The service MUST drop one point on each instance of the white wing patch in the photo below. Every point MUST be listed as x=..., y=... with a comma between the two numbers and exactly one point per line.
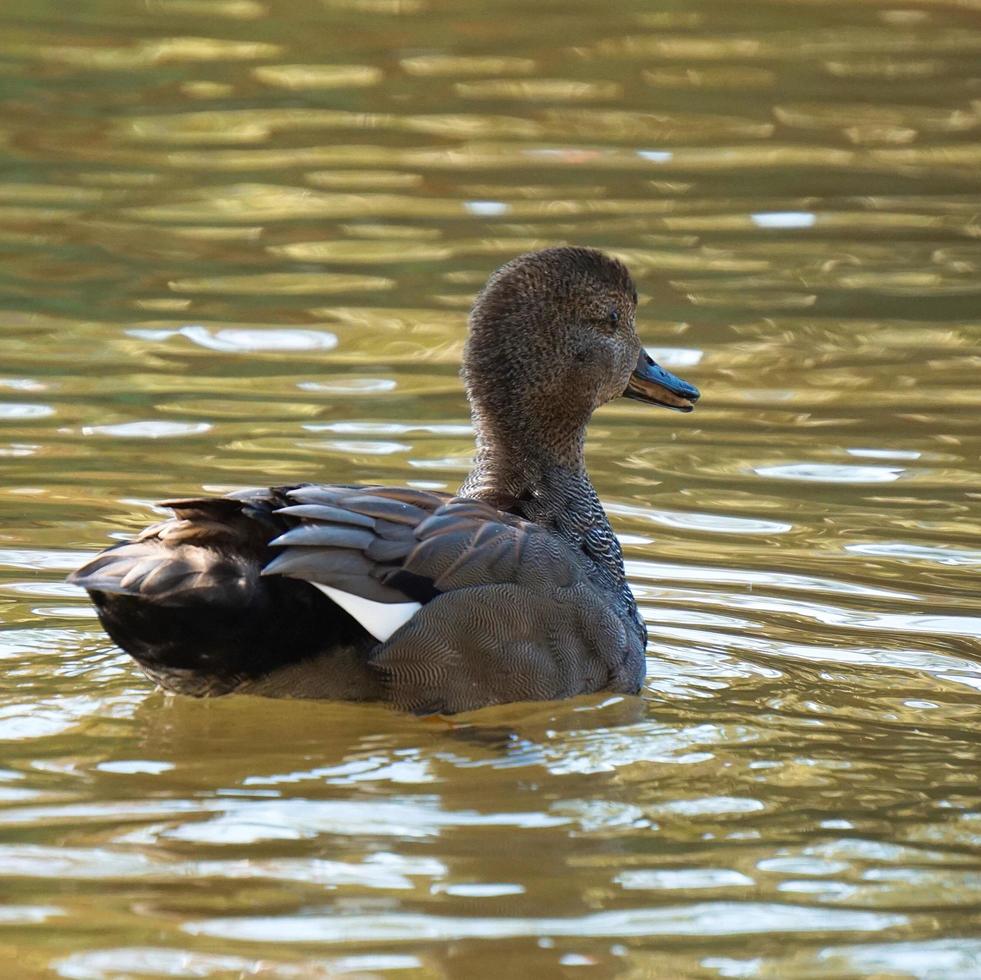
x=380, y=619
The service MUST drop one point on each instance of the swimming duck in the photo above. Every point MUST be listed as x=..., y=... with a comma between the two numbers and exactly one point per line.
x=513, y=590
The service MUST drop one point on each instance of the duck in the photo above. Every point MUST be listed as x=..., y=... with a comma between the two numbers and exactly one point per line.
x=511, y=590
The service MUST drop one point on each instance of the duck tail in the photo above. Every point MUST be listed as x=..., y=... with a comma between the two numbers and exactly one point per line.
x=187, y=601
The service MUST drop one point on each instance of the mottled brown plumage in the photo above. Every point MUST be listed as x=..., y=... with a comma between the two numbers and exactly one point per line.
x=517, y=585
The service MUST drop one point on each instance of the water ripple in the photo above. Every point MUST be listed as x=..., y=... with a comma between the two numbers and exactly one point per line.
x=240, y=241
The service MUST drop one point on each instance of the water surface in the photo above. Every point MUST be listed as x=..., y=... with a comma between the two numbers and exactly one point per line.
x=240, y=238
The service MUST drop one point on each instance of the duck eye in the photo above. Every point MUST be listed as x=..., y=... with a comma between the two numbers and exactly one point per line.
x=614, y=317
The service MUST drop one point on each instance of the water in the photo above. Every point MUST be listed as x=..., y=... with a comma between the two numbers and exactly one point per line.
x=239, y=241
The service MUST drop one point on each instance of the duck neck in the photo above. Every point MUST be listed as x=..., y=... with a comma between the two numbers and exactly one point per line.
x=514, y=467
x=527, y=477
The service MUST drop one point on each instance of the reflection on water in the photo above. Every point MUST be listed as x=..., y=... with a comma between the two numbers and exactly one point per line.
x=240, y=238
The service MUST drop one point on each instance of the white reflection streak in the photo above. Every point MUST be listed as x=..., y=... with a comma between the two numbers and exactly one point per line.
x=863, y=619
x=831, y=473
x=784, y=219
x=689, y=520
x=486, y=209
x=704, y=919
x=659, y=571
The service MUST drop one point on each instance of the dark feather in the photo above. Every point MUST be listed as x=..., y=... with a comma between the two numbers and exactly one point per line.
x=319, y=564
x=385, y=551
x=314, y=494
x=327, y=514
x=325, y=536
x=390, y=510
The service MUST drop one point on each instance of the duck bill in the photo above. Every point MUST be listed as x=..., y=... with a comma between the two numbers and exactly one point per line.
x=652, y=384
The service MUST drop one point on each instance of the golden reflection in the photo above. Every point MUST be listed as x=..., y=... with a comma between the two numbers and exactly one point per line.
x=951, y=154
x=654, y=127
x=670, y=186
x=301, y=77
x=120, y=178
x=534, y=192
x=708, y=159
x=451, y=65
x=369, y=252
x=261, y=202
x=216, y=234
x=539, y=89
x=867, y=134
x=377, y=6
x=790, y=45
x=472, y=155
x=826, y=220
x=162, y=303
x=282, y=284
x=666, y=20
x=467, y=126
x=22, y=193
x=164, y=51
x=233, y=9
x=372, y=252
x=256, y=126
x=397, y=321
x=131, y=235
x=366, y=229
x=649, y=260
x=906, y=280
x=454, y=301
x=731, y=76
x=886, y=68
x=199, y=127
x=257, y=202
x=904, y=117
x=700, y=295
x=207, y=90
x=742, y=157
x=373, y=179
x=359, y=155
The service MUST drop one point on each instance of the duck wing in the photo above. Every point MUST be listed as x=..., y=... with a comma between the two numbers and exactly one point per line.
x=187, y=597
x=404, y=548
x=354, y=539
x=499, y=609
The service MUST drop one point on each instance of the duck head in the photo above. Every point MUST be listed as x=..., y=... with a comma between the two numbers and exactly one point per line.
x=552, y=337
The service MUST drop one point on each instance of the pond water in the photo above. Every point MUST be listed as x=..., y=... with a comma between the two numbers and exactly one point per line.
x=240, y=238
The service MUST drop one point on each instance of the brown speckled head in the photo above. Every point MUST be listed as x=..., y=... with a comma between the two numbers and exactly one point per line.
x=551, y=339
